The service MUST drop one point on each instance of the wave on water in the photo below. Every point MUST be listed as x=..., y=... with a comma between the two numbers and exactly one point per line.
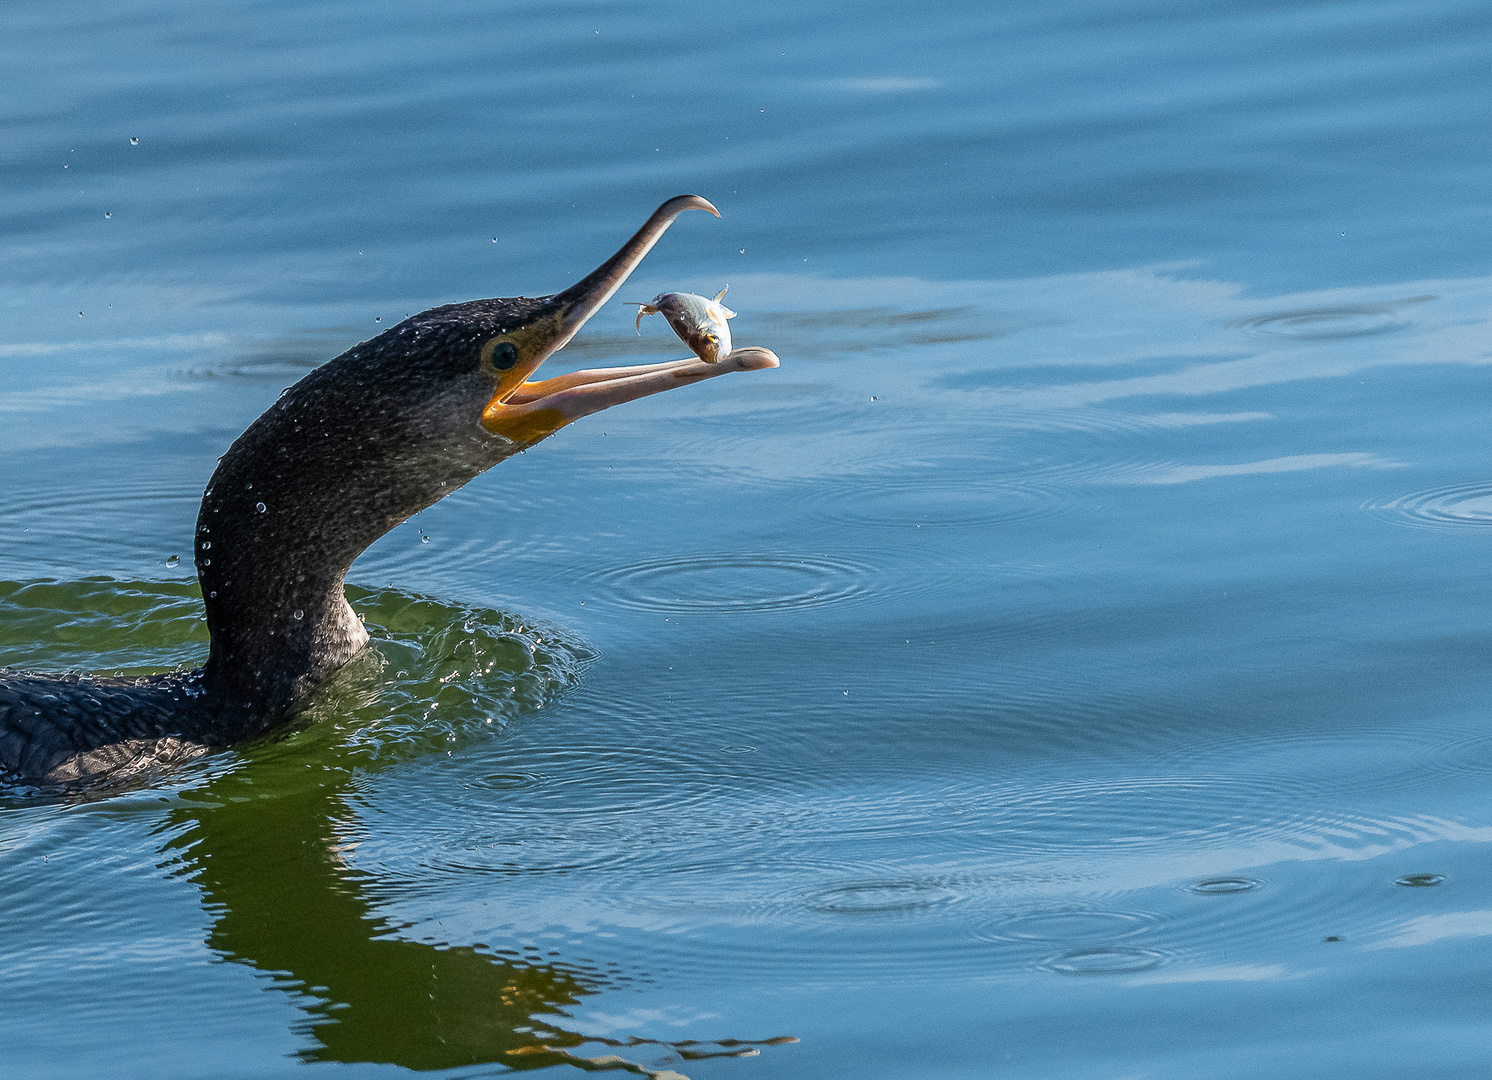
x=436, y=672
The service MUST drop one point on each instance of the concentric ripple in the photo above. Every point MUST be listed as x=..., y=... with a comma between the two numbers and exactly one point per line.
x=882, y=897
x=1223, y=886
x=1335, y=321
x=935, y=501
x=1104, y=961
x=731, y=583
x=1071, y=926
x=1440, y=508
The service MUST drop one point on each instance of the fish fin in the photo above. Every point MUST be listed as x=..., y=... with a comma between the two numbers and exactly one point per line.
x=721, y=293
x=642, y=309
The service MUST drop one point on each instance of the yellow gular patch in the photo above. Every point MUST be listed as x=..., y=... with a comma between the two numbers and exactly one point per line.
x=523, y=426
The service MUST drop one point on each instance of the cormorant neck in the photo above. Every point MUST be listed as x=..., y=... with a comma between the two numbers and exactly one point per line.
x=320, y=476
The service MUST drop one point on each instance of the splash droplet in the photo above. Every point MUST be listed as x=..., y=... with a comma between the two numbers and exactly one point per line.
x=1420, y=881
x=378, y=318
x=108, y=214
x=299, y=614
x=134, y=141
x=206, y=545
x=260, y=508
x=173, y=560
x=424, y=539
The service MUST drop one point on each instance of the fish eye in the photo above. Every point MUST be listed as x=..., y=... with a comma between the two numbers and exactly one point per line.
x=503, y=354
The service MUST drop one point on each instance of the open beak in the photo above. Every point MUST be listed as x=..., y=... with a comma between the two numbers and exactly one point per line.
x=583, y=299
x=561, y=316
x=525, y=412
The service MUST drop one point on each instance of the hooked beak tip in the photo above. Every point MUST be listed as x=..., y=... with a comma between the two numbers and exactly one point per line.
x=679, y=203
x=581, y=300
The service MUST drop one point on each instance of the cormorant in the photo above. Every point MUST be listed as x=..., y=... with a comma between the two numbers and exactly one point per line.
x=351, y=450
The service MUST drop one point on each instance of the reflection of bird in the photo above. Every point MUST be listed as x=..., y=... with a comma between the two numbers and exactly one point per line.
x=347, y=453
x=272, y=845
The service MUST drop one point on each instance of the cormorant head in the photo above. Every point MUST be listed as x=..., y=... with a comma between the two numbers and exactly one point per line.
x=514, y=353
x=458, y=375
x=377, y=434
x=409, y=416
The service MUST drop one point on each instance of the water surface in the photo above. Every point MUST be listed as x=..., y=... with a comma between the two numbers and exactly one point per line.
x=1070, y=663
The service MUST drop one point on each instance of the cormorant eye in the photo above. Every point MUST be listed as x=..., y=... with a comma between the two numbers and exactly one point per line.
x=504, y=355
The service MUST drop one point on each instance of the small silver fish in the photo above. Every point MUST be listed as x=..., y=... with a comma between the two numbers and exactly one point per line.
x=698, y=320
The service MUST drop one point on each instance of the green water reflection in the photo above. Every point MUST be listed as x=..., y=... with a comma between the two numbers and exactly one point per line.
x=267, y=845
x=269, y=840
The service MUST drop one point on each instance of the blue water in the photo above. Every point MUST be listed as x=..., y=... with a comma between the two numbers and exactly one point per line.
x=1071, y=663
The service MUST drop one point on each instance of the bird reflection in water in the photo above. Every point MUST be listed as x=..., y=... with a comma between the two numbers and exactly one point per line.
x=267, y=842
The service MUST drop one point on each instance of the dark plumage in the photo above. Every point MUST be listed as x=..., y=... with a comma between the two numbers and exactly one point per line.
x=346, y=454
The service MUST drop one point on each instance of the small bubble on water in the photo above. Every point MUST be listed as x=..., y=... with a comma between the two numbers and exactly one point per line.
x=206, y=544
x=299, y=614
x=424, y=539
x=212, y=594
x=206, y=562
x=260, y=508
x=134, y=141
x=1419, y=881
x=173, y=560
